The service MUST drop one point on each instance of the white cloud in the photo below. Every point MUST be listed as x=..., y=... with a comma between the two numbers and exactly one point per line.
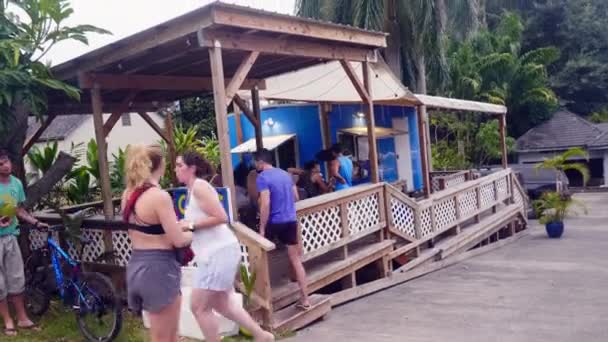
x=126, y=17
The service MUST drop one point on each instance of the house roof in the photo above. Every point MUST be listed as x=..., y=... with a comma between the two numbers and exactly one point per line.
x=59, y=128
x=564, y=130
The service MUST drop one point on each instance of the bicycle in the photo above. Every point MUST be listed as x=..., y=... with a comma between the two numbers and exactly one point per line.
x=91, y=295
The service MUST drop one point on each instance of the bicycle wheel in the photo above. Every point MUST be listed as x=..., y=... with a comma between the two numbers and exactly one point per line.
x=99, y=312
x=37, y=299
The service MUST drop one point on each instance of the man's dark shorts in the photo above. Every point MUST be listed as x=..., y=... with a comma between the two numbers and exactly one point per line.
x=286, y=233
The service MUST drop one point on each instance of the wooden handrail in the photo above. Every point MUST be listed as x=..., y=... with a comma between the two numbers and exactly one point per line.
x=469, y=185
x=248, y=234
x=336, y=197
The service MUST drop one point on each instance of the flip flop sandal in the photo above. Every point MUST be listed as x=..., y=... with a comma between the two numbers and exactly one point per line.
x=303, y=307
x=10, y=331
x=33, y=327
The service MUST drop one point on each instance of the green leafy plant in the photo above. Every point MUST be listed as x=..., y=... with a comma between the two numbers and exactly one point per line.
x=560, y=163
x=78, y=188
x=554, y=207
x=211, y=149
x=117, y=171
x=41, y=159
x=248, y=281
x=93, y=160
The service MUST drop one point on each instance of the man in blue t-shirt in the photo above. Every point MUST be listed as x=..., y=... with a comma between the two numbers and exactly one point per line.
x=12, y=279
x=341, y=168
x=277, y=197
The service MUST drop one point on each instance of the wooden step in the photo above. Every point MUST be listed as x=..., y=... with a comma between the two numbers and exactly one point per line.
x=292, y=318
x=470, y=235
x=324, y=273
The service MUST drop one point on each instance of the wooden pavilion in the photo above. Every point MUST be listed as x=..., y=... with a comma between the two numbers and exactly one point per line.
x=222, y=49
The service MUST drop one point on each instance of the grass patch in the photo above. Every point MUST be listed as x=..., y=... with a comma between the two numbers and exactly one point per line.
x=59, y=325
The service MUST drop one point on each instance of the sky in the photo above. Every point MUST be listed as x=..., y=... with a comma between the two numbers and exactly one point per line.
x=126, y=17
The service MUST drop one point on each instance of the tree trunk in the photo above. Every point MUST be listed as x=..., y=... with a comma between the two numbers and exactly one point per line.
x=392, y=53
x=62, y=166
x=481, y=7
x=14, y=137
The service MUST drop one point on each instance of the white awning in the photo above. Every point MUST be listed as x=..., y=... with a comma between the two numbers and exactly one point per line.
x=438, y=102
x=270, y=143
x=328, y=82
x=381, y=132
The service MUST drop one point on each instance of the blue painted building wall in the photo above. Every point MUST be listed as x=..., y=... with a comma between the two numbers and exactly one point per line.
x=303, y=120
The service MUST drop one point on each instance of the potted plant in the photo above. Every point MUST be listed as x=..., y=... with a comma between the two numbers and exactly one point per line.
x=552, y=208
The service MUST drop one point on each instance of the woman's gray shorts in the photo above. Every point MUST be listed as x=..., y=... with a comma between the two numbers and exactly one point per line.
x=153, y=279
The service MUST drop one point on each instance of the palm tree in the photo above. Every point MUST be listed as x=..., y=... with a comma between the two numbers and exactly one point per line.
x=417, y=31
x=560, y=163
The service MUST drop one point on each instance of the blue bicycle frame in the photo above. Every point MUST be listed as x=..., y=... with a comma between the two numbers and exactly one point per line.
x=57, y=253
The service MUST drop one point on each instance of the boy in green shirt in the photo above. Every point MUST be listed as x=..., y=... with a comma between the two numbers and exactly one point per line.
x=12, y=279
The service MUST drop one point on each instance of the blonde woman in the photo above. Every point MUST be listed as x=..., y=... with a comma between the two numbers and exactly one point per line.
x=153, y=272
x=217, y=250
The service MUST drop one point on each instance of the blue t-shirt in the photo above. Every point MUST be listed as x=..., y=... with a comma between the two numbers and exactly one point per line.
x=11, y=193
x=282, y=201
x=346, y=171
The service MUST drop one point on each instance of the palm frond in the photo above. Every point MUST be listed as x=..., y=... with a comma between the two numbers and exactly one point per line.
x=369, y=14
x=580, y=168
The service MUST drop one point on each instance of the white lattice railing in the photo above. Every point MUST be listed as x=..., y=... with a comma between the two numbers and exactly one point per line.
x=449, y=208
x=333, y=220
x=443, y=180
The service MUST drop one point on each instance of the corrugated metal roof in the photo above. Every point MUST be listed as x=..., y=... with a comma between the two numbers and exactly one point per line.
x=269, y=143
x=462, y=105
x=381, y=132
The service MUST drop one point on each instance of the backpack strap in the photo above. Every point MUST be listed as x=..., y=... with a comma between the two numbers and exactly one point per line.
x=130, y=205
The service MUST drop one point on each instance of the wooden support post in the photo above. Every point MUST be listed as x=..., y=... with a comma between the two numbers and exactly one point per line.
x=427, y=134
x=104, y=169
x=171, y=145
x=478, y=203
x=426, y=177
x=502, y=124
x=237, y=123
x=350, y=280
x=324, y=111
x=45, y=124
x=221, y=117
x=257, y=112
x=371, y=124
x=111, y=122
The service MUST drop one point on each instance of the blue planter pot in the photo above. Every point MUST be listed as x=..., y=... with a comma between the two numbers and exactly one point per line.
x=555, y=229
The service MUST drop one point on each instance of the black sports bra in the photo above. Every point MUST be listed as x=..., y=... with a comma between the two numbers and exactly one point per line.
x=150, y=229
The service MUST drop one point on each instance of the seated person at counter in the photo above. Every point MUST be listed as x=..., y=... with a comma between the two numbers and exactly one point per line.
x=310, y=179
x=341, y=168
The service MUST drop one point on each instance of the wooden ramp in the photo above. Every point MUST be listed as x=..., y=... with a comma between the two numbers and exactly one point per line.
x=365, y=239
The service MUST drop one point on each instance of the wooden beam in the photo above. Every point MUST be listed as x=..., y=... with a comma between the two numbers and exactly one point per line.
x=221, y=118
x=107, y=127
x=34, y=138
x=297, y=26
x=287, y=47
x=257, y=112
x=426, y=178
x=111, y=122
x=171, y=144
x=155, y=127
x=352, y=75
x=245, y=108
x=240, y=75
x=102, y=154
x=147, y=82
x=371, y=124
x=237, y=122
x=83, y=108
x=502, y=126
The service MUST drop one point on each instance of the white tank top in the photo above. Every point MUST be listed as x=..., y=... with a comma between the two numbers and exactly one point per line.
x=206, y=241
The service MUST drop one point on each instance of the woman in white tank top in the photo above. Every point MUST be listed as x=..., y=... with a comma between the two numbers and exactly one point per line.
x=217, y=252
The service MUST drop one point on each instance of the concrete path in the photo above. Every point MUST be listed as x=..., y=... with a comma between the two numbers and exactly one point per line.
x=533, y=290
